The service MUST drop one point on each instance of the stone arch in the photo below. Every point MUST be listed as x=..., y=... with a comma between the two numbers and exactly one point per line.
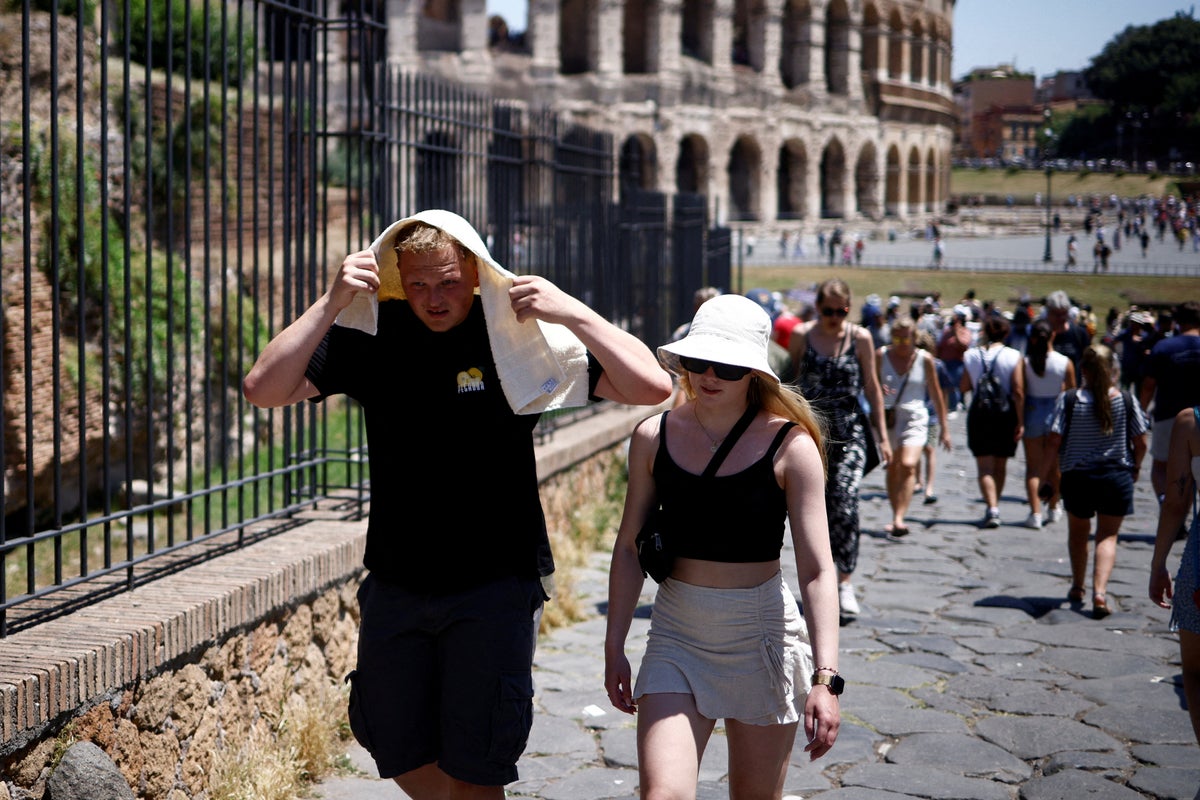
x=916, y=52
x=931, y=175
x=866, y=182
x=691, y=167
x=872, y=41
x=895, y=65
x=837, y=48
x=745, y=167
x=635, y=35
x=891, y=192
x=833, y=179
x=697, y=29
x=439, y=26
x=576, y=34
x=638, y=163
x=749, y=33
x=796, y=45
x=914, y=180
x=792, y=181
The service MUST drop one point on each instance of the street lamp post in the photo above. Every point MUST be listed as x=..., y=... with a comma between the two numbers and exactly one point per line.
x=1046, y=257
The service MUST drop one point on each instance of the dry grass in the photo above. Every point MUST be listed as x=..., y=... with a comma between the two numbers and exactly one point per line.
x=282, y=756
x=581, y=522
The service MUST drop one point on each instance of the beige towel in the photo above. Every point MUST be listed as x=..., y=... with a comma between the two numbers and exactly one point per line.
x=542, y=365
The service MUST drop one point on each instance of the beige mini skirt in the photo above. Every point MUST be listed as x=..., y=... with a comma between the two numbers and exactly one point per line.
x=744, y=654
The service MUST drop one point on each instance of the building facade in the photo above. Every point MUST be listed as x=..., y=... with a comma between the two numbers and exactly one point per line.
x=783, y=113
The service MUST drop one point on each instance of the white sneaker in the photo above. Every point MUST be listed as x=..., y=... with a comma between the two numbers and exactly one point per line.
x=847, y=600
x=1033, y=521
x=1054, y=514
x=991, y=519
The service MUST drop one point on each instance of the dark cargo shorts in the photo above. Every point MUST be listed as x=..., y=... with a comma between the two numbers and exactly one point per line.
x=446, y=679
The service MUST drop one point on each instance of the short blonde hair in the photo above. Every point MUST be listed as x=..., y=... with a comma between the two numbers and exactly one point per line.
x=422, y=238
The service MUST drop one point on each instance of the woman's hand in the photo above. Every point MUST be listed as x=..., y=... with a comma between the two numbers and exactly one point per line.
x=618, y=681
x=822, y=718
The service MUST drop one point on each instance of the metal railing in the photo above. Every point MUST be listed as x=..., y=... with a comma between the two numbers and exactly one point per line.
x=181, y=186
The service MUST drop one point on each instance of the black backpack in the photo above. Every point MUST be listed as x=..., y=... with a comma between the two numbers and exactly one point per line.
x=988, y=397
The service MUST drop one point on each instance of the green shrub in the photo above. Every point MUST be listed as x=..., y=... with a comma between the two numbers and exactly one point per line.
x=224, y=48
x=67, y=8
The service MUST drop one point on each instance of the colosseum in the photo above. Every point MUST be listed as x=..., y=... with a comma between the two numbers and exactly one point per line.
x=783, y=113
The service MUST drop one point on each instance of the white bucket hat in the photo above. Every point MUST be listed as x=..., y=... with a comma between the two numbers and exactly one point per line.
x=729, y=329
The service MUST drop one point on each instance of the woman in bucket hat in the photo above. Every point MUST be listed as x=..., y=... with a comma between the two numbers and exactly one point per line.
x=727, y=639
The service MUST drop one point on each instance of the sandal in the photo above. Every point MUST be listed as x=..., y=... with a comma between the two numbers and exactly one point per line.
x=1100, y=608
x=1075, y=595
x=930, y=499
x=898, y=531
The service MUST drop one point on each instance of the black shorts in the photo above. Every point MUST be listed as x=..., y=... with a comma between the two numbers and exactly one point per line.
x=1104, y=490
x=446, y=679
x=989, y=435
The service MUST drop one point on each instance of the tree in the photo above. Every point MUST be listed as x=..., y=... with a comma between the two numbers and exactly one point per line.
x=1153, y=72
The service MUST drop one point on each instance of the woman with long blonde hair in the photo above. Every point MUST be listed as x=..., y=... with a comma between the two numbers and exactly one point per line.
x=1098, y=437
x=723, y=608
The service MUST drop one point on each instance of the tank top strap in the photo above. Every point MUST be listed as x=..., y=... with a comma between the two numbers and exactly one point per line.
x=777, y=442
x=662, y=430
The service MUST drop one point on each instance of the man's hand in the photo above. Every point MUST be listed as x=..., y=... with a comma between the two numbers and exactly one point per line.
x=359, y=273
x=534, y=297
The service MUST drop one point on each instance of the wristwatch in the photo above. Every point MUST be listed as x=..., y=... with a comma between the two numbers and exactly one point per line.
x=833, y=681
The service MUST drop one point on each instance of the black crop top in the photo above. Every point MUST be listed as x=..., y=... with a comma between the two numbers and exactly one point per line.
x=736, y=518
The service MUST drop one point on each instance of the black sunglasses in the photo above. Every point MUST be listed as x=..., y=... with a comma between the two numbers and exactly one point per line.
x=726, y=372
x=834, y=312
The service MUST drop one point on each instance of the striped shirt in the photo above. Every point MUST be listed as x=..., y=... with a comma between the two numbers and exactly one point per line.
x=1087, y=446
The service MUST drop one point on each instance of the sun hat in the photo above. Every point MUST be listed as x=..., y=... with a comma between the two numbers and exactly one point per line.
x=1141, y=318
x=730, y=329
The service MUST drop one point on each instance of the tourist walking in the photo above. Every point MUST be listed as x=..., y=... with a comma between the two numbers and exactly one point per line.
x=907, y=376
x=835, y=363
x=996, y=414
x=442, y=691
x=1047, y=375
x=725, y=471
x=1183, y=598
x=1098, y=437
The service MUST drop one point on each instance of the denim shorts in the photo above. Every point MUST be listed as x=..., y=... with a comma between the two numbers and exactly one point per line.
x=446, y=679
x=1039, y=411
x=1104, y=490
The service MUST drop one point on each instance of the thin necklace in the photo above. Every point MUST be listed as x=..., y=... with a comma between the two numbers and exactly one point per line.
x=715, y=442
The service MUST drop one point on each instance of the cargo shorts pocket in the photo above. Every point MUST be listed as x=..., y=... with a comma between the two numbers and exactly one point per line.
x=512, y=718
x=358, y=720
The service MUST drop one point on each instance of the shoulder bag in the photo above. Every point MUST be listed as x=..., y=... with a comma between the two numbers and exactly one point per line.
x=656, y=554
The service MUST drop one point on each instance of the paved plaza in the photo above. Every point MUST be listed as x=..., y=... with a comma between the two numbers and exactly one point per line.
x=969, y=675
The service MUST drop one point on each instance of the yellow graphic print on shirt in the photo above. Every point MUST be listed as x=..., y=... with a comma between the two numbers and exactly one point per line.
x=470, y=381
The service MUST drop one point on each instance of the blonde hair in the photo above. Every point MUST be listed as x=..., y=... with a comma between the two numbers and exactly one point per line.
x=1096, y=365
x=422, y=238
x=780, y=399
x=905, y=323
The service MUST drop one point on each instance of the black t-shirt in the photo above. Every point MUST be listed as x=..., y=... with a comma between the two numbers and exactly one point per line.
x=1072, y=342
x=454, y=488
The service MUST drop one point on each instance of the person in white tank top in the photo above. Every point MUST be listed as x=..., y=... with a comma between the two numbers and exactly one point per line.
x=1047, y=375
x=906, y=374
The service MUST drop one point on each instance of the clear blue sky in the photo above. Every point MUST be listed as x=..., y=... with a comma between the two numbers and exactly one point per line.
x=1039, y=36
x=1044, y=36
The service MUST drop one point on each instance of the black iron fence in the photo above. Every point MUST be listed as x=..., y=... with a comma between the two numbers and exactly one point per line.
x=183, y=179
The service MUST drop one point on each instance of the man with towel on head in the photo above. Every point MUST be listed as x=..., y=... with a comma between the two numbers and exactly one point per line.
x=452, y=377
